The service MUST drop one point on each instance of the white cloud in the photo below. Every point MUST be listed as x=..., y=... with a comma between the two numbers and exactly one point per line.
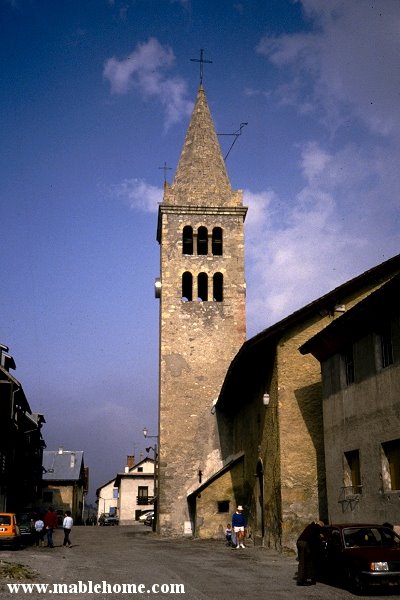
x=139, y=194
x=144, y=70
x=331, y=233
x=350, y=58
x=346, y=216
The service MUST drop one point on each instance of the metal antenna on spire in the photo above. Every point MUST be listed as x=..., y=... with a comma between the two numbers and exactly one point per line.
x=165, y=169
x=236, y=135
x=201, y=60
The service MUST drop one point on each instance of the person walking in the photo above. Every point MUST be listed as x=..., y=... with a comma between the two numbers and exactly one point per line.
x=308, y=548
x=67, y=526
x=239, y=525
x=50, y=523
x=39, y=531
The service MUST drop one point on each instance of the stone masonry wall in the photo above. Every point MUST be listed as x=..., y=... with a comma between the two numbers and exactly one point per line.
x=198, y=340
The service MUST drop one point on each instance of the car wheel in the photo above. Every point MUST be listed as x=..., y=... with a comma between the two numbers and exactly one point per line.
x=356, y=583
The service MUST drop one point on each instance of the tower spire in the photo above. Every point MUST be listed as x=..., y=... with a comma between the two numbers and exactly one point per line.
x=201, y=173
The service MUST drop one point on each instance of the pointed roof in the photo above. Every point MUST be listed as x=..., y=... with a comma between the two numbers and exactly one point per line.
x=201, y=178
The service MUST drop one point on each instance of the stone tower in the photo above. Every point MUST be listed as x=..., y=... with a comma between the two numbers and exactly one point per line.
x=202, y=313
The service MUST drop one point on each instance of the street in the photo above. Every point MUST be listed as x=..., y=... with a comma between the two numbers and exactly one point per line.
x=207, y=569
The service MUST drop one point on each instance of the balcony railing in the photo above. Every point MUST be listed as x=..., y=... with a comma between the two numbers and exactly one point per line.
x=349, y=491
x=349, y=496
x=143, y=500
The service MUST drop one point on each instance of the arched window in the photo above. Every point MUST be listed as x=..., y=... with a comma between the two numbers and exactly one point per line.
x=202, y=240
x=218, y=287
x=216, y=244
x=187, y=287
x=187, y=240
x=202, y=286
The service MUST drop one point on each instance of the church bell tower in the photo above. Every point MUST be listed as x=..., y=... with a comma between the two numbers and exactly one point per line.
x=202, y=313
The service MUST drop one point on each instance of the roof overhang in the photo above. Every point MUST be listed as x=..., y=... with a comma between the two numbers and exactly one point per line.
x=230, y=462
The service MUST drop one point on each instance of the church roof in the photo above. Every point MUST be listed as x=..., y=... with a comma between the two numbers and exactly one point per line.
x=201, y=178
x=244, y=368
x=366, y=315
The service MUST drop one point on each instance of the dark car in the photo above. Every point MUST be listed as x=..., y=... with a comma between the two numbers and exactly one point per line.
x=108, y=519
x=26, y=526
x=361, y=556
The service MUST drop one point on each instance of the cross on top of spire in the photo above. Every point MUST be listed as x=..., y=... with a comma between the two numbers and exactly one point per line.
x=165, y=169
x=201, y=60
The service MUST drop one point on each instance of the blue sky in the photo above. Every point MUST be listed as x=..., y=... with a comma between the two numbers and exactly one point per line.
x=95, y=97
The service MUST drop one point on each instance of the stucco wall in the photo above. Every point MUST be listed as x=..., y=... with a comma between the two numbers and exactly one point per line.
x=361, y=417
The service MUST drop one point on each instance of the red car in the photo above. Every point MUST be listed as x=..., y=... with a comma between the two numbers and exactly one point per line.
x=361, y=556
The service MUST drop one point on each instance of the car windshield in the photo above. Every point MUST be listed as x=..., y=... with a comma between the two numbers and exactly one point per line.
x=5, y=520
x=356, y=537
x=23, y=518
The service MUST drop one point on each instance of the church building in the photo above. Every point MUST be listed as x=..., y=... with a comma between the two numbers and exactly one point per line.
x=240, y=421
x=202, y=314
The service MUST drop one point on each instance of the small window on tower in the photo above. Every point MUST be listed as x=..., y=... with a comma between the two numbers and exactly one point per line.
x=223, y=506
x=202, y=241
x=202, y=287
x=217, y=241
x=187, y=287
x=187, y=240
x=218, y=286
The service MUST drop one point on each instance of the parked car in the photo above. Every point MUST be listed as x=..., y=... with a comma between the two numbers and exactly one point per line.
x=150, y=518
x=25, y=521
x=108, y=519
x=144, y=515
x=9, y=530
x=361, y=556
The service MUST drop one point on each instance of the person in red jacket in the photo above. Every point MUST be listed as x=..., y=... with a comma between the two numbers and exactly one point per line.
x=50, y=523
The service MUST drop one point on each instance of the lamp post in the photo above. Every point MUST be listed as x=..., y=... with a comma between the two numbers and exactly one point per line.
x=155, y=493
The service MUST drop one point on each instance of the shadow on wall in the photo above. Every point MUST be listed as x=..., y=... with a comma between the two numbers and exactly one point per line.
x=309, y=399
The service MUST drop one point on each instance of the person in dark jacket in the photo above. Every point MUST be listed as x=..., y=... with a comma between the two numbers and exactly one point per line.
x=239, y=526
x=308, y=548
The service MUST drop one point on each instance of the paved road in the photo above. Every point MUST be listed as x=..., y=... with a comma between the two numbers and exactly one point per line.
x=207, y=569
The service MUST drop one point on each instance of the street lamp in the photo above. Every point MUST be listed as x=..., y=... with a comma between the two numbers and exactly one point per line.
x=155, y=450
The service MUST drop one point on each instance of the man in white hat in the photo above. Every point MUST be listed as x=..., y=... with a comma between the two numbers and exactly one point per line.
x=239, y=525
